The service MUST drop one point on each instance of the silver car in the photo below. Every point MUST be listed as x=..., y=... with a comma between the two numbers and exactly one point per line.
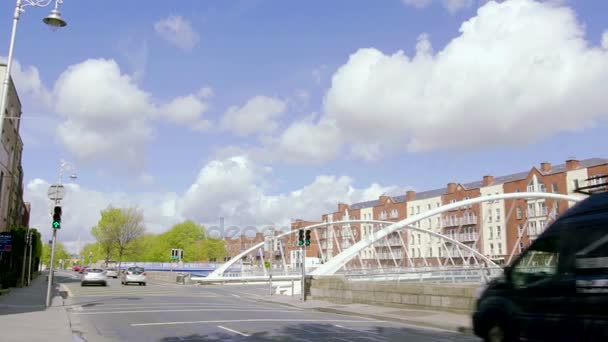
x=93, y=276
x=112, y=272
x=133, y=275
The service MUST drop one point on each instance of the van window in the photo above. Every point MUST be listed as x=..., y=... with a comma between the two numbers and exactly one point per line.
x=538, y=263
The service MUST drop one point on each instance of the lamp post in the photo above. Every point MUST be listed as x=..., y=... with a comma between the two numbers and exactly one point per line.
x=57, y=198
x=54, y=20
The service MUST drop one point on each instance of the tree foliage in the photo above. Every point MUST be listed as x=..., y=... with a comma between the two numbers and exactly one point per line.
x=60, y=253
x=117, y=231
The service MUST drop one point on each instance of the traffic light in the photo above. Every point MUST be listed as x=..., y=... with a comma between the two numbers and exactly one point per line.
x=307, y=237
x=57, y=217
x=301, y=237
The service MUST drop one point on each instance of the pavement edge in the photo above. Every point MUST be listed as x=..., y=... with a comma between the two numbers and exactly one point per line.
x=451, y=328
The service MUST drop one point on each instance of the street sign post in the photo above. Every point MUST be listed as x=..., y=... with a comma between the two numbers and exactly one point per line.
x=6, y=242
x=56, y=192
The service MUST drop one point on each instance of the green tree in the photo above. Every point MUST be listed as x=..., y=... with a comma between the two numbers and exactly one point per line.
x=117, y=230
x=214, y=249
x=60, y=253
x=184, y=235
x=104, y=231
x=130, y=227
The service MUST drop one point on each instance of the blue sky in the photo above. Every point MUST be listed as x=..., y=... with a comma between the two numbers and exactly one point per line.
x=287, y=53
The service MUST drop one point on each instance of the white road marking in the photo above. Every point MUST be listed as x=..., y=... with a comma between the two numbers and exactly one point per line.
x=232, y=330
x=168, y=304
x=177, y=310
x=257, y=320
x=235, y=295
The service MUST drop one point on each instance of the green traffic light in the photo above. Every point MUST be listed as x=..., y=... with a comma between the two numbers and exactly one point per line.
x=56, y=224
x=307, y=242
x=300, y=243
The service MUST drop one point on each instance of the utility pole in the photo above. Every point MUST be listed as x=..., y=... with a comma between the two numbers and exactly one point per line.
x=303, y=261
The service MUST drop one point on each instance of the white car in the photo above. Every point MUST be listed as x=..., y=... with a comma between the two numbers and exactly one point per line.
x=112, y=272
x=134, y=275
x=93, y=276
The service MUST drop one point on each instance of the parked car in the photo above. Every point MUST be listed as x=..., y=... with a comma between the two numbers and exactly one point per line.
x=134, y=274
x=76, y=268
x=83, y=269
x=94, y=276
x=112, y=272
x=557, y=289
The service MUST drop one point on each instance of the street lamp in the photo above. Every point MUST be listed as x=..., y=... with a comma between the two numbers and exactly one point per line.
x=54, y=20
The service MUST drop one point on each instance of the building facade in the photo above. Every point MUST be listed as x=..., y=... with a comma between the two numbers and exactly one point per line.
x=12, y=207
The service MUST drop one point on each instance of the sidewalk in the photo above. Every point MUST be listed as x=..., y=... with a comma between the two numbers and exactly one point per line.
x=23, y=316
x=436, y=319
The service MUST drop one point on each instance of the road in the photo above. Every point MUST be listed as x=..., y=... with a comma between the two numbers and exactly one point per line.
x=170, y=312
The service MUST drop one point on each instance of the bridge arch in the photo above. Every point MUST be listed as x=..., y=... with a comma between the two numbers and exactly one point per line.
x=220, y=270
x=338, y=261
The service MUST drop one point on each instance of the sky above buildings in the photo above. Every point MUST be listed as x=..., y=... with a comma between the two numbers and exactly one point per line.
x=262, y=111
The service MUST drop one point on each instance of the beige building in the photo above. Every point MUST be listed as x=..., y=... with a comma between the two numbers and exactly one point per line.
x=12, y=207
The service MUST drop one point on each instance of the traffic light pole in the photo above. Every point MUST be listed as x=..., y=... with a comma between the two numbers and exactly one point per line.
x=303, y=260
x=50, y=283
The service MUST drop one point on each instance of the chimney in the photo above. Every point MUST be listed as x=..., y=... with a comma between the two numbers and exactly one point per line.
x=410, y=195
x=488, y=180
x=451, y=187
x=572, y=164
x=545, y=167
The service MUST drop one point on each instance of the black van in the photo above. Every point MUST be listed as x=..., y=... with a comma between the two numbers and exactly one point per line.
x=557, y=289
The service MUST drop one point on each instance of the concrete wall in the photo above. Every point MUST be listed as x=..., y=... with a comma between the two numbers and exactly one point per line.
x=159, y=276
x=443, y=297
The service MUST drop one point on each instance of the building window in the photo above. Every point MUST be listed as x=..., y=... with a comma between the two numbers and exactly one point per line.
x=521, y=247
x=520, y=229
x=498, y=232
x=429, y=206
x=491, y=249
x=520, y=213
x=542, y=188
x=411, y=210
x=531, y=187
x=531, y=211
x=394, y=213
x=489, y=215
x=497, y=214
x=453, y=201
x=576, y=183
x=417, y=209
x=491, y=233
x=499, y=248
x=554, y=188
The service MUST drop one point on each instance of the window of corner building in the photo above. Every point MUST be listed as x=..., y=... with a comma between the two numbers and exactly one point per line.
x=554, y=187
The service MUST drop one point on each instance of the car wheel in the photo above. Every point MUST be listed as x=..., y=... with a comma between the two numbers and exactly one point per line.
x=498, y=332
x=144, y=284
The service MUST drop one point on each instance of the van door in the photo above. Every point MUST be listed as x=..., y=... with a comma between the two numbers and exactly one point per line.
x=541, y=291
x=591, y=271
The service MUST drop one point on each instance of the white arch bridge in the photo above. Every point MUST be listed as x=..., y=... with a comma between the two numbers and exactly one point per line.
x=397, y=249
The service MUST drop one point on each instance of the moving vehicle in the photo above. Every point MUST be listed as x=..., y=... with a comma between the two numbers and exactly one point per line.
x=112, y=272
x=133, y=274
x=557, y=289
x=94, y=276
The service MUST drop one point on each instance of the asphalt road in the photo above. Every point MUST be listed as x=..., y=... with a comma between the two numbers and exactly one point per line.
x=168, y=312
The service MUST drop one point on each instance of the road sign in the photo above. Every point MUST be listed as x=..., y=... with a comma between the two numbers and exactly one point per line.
x=56, y=192
x=6, y=242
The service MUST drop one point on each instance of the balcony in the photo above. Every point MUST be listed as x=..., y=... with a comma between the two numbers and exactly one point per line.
x=542, y=212
x=459, y=221
x=464, y=237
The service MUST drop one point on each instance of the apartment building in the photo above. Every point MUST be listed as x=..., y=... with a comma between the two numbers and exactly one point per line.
x=498, y=229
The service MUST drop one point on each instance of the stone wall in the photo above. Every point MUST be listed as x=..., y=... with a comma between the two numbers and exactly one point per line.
x=445, y=297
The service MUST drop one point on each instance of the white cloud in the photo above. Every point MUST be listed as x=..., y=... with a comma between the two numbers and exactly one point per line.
x=514, y=65
x=258, y=115
x=187, y=110
x=112, y=121
x=234, y=188
x=307, y=142
x=177, y=31
x=32, y=92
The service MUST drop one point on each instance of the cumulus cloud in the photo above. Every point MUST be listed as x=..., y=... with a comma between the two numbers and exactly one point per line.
x=259, y=115
x=308, y=142
x=514, y=65
x=29, y=86
x=235, y=188
x=177, y=31
x=112, y=120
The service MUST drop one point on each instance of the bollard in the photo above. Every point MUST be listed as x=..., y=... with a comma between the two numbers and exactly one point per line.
x=292, y=288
